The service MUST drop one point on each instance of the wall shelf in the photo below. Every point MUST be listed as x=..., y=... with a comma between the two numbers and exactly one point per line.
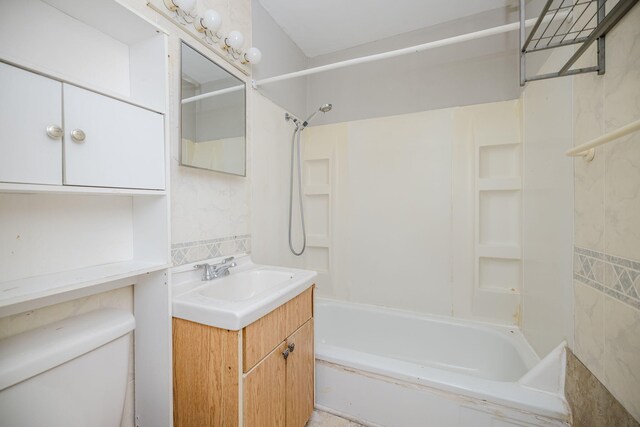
x=9, y=187
x=499, y=251
x=488, y=184
x=584, y=23
x=39, y=291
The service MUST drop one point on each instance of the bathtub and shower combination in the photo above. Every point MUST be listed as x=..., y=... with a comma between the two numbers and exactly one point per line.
x=385, y=367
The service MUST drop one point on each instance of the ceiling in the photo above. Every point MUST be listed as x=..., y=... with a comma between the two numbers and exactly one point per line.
x=324, y=26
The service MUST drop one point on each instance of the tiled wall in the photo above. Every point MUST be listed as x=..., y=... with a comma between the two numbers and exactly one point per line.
x=616, y=277
x=185, y=253
x=607, y=220
x=591, y=403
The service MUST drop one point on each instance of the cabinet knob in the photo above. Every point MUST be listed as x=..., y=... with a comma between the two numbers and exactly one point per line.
x=285, y=354
x=292, y=347
x=78, y=135
x=55, y=131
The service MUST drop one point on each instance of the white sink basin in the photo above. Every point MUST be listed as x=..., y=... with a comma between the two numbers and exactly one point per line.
x=239, y=299
x=245, y=285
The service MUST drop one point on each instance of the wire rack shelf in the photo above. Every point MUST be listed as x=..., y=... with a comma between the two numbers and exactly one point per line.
x=573, y=22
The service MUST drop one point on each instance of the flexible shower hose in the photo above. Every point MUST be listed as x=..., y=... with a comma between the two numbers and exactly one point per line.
x=295, y=141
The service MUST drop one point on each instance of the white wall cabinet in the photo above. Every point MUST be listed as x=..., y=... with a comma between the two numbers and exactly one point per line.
x=80, y=218
x=122, y=145
x=29, y=103
x=107, y=142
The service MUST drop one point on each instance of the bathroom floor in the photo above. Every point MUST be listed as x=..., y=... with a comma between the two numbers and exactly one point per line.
x=325, y=419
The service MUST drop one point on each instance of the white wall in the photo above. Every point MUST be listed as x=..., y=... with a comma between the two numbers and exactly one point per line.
x=280, y=55
x=270, y=184
x=474, y=72
x=547, y=209
x=393, y=200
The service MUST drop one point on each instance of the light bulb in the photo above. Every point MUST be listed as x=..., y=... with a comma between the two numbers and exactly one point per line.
x=185, y=5
x=212, y=20
x=253, y=55
x=235, y=40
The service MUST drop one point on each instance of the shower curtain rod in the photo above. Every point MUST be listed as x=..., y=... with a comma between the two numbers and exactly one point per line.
x=214, y=93
x=407, y=50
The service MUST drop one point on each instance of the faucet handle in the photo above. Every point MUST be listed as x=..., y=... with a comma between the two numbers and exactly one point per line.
x=226, y=260
x=208, y=270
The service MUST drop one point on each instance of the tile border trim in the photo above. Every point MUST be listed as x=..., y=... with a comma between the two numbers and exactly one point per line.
x=614, y=276
x=197, y=250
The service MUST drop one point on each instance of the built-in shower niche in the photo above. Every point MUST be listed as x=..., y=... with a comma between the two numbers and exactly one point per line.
x=317, y=199
x=498, y=211
x=499, y=161
x=499, y=219
x=318, y=219
x=500, y=274
x=317, y=178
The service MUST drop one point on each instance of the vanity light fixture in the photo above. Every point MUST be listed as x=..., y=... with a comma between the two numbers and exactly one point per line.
x=209, y=25
x=252, y=56
x=183, y=9
x=233, y=43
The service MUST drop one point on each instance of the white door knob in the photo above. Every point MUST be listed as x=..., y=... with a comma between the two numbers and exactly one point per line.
x=55, y=131
x=78, y=135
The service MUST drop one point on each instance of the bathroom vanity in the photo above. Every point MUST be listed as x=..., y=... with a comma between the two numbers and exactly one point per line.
x=251, y=372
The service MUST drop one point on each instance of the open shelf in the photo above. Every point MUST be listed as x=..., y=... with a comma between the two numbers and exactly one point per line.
x=10, y=187
x=72, y=284
x=100, y=45
x=488, y=184
x=499, y=251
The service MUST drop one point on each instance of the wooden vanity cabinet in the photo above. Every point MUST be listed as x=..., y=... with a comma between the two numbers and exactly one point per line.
x=261, y=376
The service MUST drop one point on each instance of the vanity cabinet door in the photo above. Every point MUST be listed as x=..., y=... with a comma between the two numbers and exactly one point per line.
x=29, y=104
x=300, y=373
x=264, y=391
x=109, y=143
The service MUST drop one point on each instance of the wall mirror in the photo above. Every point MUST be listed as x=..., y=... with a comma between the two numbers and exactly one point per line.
x=213, y=116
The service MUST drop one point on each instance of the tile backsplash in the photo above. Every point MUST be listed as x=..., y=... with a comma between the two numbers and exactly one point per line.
x=187, y=252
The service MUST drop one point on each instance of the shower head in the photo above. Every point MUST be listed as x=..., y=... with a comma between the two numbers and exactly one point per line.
x=325, y=108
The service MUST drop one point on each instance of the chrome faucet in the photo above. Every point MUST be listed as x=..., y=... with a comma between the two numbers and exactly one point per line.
x=216, y=270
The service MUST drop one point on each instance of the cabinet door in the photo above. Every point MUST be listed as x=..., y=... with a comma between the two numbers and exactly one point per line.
x=300, y=376
x=29, y=103
x=123, y=144
x=264, y=391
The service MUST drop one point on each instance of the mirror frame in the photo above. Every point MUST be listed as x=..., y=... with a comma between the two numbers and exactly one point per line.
x=246, y=121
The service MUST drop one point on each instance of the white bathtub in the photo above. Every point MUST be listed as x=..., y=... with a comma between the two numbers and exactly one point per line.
x=387, y=367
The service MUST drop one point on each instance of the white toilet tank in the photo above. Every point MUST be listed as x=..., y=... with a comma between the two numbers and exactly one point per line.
x=69, y=373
